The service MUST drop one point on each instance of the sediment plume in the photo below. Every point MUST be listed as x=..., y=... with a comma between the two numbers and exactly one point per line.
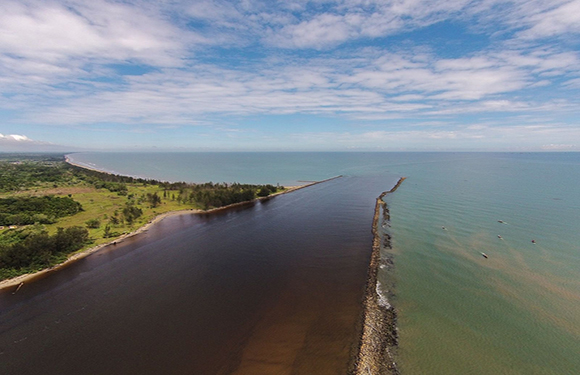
x=378, y=337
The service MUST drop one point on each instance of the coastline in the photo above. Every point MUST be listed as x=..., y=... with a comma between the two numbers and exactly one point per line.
x=378, y=335
x=19, y=281
x=68, y=161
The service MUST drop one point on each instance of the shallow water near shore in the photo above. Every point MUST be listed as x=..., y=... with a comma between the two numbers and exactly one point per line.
x=276, y=288
x=515, y=312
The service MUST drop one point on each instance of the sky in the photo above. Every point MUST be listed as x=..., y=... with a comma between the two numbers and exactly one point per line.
x=292, y=75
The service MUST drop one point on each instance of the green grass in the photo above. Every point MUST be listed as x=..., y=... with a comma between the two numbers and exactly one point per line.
x=101, y=204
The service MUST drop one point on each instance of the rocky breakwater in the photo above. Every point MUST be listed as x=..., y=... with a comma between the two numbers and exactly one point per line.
x=378, y=328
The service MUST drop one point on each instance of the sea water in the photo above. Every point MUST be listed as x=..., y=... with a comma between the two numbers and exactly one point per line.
x=515, y=312
x=243, y=167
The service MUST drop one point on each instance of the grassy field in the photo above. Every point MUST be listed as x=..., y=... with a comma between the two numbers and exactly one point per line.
x=100, y=204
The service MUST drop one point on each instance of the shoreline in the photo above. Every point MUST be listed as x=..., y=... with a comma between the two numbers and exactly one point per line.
x=306, y=183
x=19, y=281
x=378, y=332
x=68, y=161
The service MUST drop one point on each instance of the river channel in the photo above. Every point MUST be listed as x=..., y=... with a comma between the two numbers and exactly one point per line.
x=274, y=288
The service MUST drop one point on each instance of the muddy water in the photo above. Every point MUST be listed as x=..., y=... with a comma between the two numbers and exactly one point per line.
x=275, y=288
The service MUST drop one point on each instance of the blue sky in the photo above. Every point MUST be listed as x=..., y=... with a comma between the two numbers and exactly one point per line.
x=327, y=75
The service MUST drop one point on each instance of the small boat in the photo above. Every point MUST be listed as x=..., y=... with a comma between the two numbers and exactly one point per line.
x=484, y=255
x=500, y=221
x=534, y=241
x=500, y=237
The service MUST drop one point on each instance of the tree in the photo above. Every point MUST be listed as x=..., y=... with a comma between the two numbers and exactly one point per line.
x=40, y=249
x=131, y=213
x=93, y=223
x=107, y=231
x=114, y=219
x=153, y=199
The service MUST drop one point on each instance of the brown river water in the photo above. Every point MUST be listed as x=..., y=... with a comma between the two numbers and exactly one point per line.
x=274, y=288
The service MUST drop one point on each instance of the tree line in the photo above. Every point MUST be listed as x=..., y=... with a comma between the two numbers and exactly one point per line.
x=36, y=249
x=210, y=194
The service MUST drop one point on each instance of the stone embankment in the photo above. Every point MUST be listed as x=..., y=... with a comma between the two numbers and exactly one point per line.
x=378, y=329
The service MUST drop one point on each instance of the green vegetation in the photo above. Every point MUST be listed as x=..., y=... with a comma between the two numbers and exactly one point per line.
x=31, y=170
x=32, y=250
x=217, y=195
x=29, y=210
x=266, y=190
x=93, y=223
x=50, y=209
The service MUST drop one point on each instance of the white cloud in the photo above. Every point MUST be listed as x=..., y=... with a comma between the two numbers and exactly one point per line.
x=14, y=138
x=471, y=78
x=18, y=143
x=553, y=19
x=22, y=143
x=573, y=83
x=347, y=20
x=55, y=32
x=216, y=59
x=326, y=24
x=324, y=30
x=380, y=86
x=485, y=136
x=49, y=42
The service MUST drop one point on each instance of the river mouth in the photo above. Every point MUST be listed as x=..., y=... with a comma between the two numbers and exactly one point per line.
x=271, y=288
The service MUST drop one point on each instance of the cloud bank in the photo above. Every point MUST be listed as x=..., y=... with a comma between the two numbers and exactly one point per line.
x=147, y=65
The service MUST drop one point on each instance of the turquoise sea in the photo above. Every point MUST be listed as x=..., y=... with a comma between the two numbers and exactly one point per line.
x=515, y=312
